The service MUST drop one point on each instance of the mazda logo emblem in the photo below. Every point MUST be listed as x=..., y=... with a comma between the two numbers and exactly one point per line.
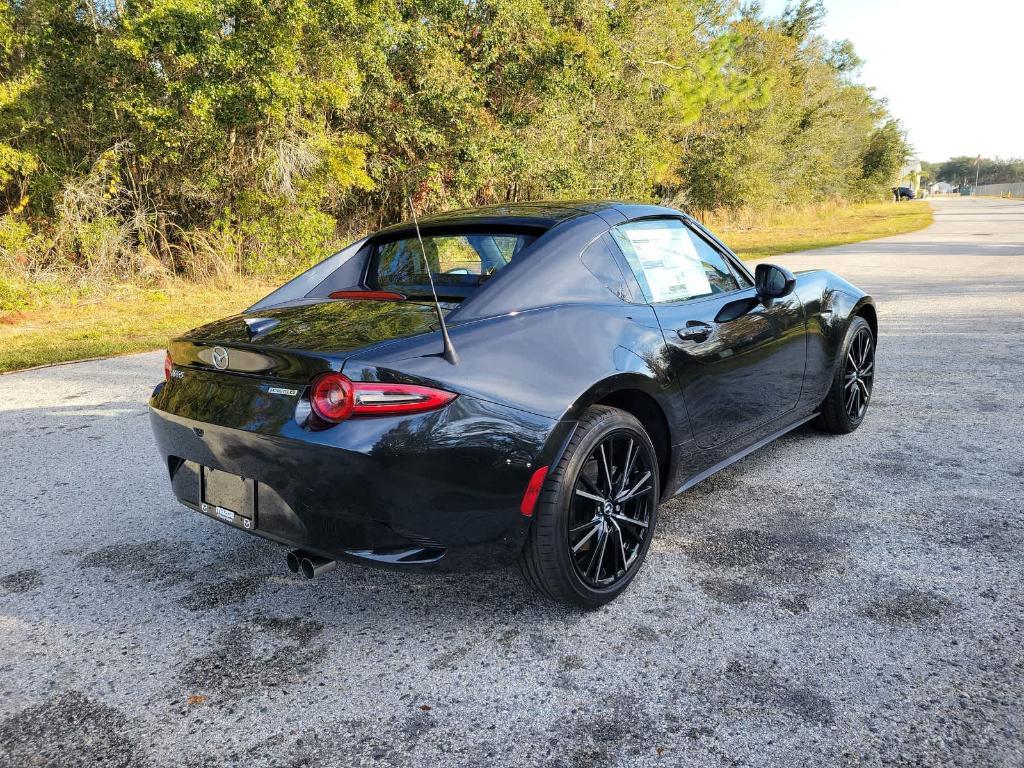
x=220, y=358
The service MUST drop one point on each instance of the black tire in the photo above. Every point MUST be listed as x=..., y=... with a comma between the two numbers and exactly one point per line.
x=843, y=410
x=547, y=562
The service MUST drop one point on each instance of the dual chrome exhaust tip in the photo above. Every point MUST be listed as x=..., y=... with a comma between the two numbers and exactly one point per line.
x=309, y=564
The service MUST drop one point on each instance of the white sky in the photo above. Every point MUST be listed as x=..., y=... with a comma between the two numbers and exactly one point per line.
x=952, y=71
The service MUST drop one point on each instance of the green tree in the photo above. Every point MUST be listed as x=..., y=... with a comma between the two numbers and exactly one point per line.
x=886, y=154
x=991, y=171
x=141, y=136
x=804, y=132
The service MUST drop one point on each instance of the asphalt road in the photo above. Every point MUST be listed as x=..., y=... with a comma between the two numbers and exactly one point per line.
x=828, y=601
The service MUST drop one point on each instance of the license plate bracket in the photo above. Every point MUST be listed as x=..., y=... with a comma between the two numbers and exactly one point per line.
x=229, y=498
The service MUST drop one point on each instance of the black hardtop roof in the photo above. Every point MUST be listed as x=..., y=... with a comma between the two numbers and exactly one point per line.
x=541, y=214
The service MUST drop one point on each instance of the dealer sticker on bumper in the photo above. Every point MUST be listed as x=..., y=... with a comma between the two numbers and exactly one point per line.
x=227, y=515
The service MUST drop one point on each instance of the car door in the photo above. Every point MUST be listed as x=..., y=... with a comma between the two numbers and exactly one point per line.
x=736, y=361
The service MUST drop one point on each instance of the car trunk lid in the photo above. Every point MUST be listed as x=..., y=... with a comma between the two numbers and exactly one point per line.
x=293, y=343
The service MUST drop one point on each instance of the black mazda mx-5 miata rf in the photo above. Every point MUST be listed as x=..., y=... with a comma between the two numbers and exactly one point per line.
x=584, y=362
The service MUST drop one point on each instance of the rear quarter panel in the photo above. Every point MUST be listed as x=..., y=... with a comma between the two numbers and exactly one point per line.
x=539, y=360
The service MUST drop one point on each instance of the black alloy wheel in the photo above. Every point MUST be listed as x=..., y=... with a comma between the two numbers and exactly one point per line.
x=848, y=398
x=609, y=515
x=597, y=512
x=859, y=374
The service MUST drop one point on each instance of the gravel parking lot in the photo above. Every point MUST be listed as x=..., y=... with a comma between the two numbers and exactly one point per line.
x=828, y=601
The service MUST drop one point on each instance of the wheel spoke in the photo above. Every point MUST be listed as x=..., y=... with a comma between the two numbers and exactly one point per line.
x=593, y=553
x=590, y=484
x=607, y=472
x=632, y=491
x=592, y=497
x=585, y=539
x=630, y=457
x=632, y=495
x=622, y=547
x=602, y=545
x=630, y=520
x=584, y=526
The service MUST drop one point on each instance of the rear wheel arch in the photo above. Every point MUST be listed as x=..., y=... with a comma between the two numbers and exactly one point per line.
x=651, y=415
x=637, y=396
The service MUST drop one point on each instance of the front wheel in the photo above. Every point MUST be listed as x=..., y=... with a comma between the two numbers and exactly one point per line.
x=596, y=514
x=847, y=401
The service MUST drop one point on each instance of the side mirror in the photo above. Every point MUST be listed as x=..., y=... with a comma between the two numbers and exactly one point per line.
x=773, y=282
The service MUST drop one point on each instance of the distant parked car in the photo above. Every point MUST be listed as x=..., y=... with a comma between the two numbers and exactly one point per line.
x=903, y=193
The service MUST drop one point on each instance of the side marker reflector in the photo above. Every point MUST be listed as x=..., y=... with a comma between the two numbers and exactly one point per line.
x=533, y=492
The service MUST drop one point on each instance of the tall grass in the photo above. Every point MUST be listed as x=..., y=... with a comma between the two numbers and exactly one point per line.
x=767, y=217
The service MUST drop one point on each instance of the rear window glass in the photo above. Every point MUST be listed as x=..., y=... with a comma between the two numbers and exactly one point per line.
x=459, y=263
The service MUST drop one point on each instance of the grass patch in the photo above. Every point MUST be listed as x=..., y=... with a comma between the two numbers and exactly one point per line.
x=122, y=319
x=820, y=227
x=48, y=323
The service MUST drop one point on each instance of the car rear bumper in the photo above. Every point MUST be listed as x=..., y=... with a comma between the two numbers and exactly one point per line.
x=441, y=488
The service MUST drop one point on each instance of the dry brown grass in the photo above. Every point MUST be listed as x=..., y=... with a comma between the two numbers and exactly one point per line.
x=756, y=234
x=124, y=318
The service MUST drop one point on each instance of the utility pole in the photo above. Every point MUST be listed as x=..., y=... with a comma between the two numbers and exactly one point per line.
x=977, y=170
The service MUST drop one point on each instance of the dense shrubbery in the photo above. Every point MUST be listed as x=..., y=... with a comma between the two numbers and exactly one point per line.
x=141, y=138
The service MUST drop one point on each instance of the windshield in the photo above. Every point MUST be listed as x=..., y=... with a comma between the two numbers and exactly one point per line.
x=459, y=263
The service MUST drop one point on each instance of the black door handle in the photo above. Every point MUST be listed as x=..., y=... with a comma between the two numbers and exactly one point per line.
x=695, y=331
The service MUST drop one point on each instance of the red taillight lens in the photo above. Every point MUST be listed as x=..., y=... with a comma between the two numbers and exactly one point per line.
x=381, y=399
x=168, y=364
x=331, y=397
x=335, y=397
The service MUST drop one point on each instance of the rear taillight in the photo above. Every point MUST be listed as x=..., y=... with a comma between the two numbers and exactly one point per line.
x=331, y=397
x=379, y=399
x=334, y=397
x=168, y=365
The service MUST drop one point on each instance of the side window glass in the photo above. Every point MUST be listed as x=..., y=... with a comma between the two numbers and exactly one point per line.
x=671, y=262
x=741, y=279
x=599, y=258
